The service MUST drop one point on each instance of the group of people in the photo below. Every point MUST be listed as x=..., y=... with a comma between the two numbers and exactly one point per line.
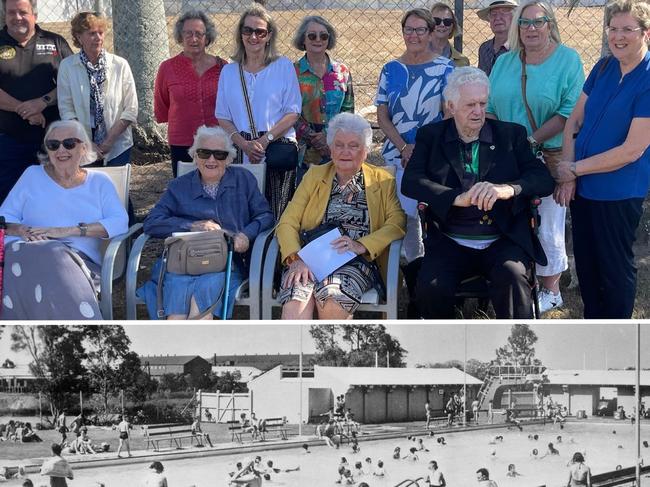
x=472, y=150
x=18, y=431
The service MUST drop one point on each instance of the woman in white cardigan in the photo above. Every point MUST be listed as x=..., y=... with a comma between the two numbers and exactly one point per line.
x=97, y=88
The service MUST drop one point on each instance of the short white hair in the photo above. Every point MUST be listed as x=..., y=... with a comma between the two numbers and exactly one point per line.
x=350, y=122
x=459, y=77
x=204, y=132
x=79, y=132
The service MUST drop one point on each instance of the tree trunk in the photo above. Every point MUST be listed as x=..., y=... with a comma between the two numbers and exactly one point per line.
x=140, y=33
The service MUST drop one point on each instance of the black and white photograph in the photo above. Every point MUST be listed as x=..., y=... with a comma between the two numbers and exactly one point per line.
x=323, y=405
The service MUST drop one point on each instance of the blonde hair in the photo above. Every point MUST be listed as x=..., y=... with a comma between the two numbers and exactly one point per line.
x=455, y=30
x=514, y=39
x=84, y=21
x=270, y=49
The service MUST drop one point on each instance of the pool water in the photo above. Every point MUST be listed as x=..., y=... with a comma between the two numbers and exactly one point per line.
x=459, y=459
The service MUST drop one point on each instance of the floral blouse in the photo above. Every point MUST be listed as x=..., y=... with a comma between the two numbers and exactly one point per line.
x=323, y=98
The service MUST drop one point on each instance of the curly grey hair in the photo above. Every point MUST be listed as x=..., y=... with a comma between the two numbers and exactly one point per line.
x=210, y=28
x=205, y=132
x=350, y=122
x=299, y=37
x=79, y=132
x=463, y=76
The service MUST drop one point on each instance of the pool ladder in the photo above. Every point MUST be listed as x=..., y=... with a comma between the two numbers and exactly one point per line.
x=409, y=482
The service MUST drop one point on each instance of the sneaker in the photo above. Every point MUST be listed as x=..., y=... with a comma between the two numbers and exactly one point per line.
x=549, y=300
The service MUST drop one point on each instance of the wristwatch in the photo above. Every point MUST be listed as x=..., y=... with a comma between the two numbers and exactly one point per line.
x=47, y=99
x=270, y=136
x=573, y=168
x=83, y=229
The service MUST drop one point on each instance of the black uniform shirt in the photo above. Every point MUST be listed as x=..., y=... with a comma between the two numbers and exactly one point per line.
x=28, y=72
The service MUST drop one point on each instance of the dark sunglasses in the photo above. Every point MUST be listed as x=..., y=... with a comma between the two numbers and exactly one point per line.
x=312, y=36
x=219, y=155
x=259, y=33
x=69, y=144
x=445, y=22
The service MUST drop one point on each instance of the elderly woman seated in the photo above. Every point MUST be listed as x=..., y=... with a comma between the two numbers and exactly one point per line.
x=477, y=177
x=214, y=196
x=57, y=214
x=358, y=198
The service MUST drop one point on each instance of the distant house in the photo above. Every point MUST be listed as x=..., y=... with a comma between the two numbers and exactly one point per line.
x=262, y=362
x=15, y=378
x=158, y=365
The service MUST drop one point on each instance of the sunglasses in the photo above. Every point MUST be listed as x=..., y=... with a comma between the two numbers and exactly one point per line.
x=538, y=23
x=249, y=31
x=219, y=155
x=312, y=36
x=69, y=144
x=445, y=22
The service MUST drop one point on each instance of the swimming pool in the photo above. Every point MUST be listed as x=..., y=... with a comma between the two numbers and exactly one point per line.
x=458, y=459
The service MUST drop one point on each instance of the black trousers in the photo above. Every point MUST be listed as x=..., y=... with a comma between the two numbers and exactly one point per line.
x=603, y=235
x=504, y=264
x=178, y=153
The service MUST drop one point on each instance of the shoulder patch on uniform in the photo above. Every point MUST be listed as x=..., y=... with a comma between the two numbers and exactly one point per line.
x=7, y=52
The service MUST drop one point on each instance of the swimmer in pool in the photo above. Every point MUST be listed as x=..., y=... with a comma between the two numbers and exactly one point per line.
x=397, y=453
x=367, y=467
x=412, y=455
x=358, y=470
x=550, y=451
x=421, y=445
x=380, y=472
x=512, y=471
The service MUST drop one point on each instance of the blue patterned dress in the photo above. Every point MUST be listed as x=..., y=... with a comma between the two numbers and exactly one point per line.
x=413, y=94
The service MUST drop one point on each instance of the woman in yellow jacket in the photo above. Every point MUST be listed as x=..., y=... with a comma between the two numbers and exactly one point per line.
x=358, y=198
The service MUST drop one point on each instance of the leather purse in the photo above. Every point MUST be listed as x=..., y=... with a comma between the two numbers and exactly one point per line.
x=196, y=254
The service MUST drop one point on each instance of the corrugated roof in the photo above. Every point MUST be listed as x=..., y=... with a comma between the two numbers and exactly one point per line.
x=597, y=377
x=396, y=376
x=262, y=361
x=168, y=359
x=18, y=372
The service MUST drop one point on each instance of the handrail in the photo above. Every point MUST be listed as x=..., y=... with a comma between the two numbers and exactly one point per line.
x=404, y=483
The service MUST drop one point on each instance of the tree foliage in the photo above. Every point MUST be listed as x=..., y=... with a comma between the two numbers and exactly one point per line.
x=474, y=367
x=520, y=348
x=57, y=355
x=356, y=345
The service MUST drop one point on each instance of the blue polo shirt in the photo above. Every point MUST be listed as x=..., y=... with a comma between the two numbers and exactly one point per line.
x=609, y=111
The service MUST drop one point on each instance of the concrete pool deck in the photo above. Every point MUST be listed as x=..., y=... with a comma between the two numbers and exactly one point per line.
x=369, y=432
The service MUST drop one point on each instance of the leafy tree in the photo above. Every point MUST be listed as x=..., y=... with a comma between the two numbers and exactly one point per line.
x=474, y=367
x=136, y=383
x=106, y=346
x=57, y=355
x=364, y=343
x=520, y=348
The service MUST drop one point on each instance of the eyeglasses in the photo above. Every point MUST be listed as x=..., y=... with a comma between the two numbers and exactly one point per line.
x=445, y=22
x=538, y=22
x=69, y=144
x=312, y=36
x=219, y=155
x=407, y=31
x=249, y=31
x=626, y=31
x=188, y=34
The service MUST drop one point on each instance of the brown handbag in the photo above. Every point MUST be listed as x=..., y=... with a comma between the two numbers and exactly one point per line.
x=551, y=157
x=193, y=254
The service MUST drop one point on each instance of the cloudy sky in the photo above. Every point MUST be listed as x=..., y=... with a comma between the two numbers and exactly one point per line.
x=568, y=346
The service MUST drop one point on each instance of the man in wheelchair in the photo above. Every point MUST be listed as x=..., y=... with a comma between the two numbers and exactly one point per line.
x=476, y=177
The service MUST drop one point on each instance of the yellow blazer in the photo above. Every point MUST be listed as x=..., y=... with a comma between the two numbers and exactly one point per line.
x=306, y=211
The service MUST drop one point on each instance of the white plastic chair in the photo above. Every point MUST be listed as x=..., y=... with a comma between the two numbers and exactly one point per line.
x=248, y=293
x=115, y=250
x=370, y=299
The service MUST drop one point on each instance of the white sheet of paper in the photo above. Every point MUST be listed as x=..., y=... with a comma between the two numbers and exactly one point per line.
x=321, y=258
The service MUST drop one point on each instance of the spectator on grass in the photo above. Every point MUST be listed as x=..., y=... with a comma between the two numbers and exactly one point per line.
x=28, y=435
x=156, y=477
x=553, y=77
x=477, y=222
x=31, y=58
x=59, y=215
x=214, y=196
x=185, y=91
x=499, y=14
x=57, y=468
x=409, y=96
x=97, y=88
x=325, y=85
x=606, y=164
x=274, y=111
x=446, y=28
x=350, y=194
